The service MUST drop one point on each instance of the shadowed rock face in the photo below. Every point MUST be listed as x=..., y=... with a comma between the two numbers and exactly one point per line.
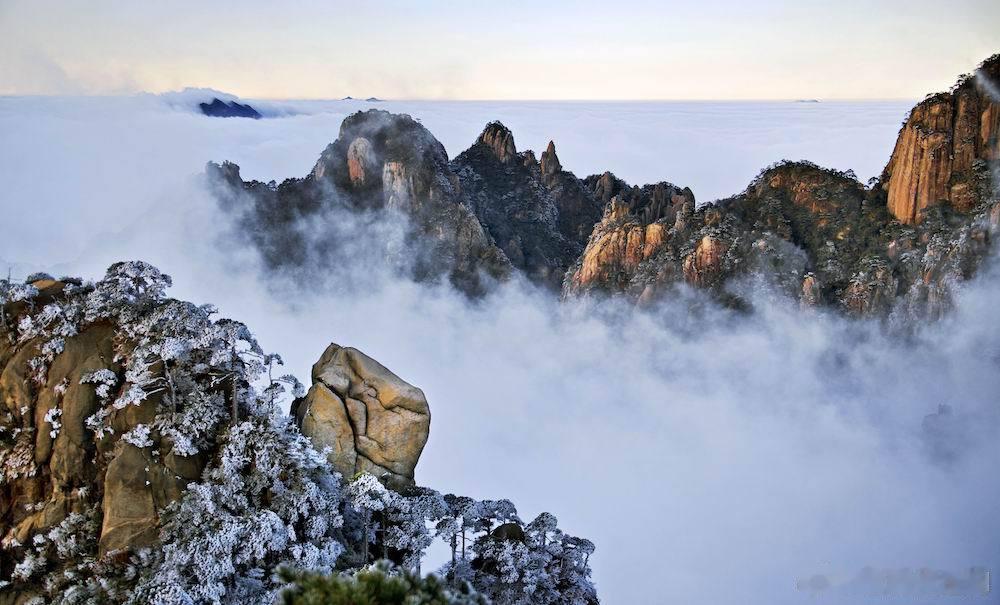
x=472, y=220
x=537, y=214
x=945, y=147
x=371, y=419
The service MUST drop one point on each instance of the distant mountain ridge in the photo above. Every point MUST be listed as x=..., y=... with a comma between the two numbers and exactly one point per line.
x=231, y=109
x=896, y=248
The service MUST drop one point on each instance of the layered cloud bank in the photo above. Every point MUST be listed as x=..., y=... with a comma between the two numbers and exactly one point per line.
x=712, y=456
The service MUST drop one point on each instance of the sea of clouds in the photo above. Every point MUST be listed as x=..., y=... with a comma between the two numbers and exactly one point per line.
x=712, y=457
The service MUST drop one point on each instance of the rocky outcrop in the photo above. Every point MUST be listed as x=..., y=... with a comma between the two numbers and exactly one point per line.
x=52, y=462
x=635, y=227
x=361, y=163
x=369, y=418
x=380, y=163
x=945, y=148
x=814, y=233
x=549, y=162
x=897, y=249
x=704, y=266
x=499, y=141
x=474, y=219
x=817, y=234
x=145, y=458
x=79, y=453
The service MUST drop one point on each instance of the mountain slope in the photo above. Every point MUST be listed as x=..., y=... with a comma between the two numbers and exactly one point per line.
x=900, y=246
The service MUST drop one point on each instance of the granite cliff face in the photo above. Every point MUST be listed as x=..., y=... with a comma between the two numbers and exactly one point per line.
x=53, y=462
x=896, y=248
x=945, y=148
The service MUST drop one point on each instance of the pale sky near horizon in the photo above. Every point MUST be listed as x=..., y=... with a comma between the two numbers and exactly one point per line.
x=630, y=49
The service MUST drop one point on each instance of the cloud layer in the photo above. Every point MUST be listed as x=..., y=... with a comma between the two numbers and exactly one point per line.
x=713, y=457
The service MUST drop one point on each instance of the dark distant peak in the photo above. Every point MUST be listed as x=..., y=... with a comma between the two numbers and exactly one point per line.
x=550, y=161
x=347, y=99
x=220, y=109
x=498, y=139
x=373, y=100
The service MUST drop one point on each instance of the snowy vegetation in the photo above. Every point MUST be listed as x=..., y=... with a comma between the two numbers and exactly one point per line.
x=267, y=509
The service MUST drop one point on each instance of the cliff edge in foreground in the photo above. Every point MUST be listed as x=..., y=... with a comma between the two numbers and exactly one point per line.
x=145, y=458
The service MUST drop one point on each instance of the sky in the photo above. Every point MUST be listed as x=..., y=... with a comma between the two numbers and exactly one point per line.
x=590, y=50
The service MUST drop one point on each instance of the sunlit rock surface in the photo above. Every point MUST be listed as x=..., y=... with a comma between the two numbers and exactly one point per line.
x=945, y=147
x=371, y=419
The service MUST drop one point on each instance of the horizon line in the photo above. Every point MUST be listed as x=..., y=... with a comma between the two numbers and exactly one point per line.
x=470, y=100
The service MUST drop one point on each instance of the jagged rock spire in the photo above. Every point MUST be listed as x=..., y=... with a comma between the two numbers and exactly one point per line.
x=550, y=161
x=499, y=140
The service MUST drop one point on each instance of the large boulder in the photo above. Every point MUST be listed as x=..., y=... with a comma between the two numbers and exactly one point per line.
x=370, y=419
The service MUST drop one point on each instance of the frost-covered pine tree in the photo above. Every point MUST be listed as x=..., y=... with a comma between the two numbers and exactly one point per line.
x=369, y=500
x=408, y=527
